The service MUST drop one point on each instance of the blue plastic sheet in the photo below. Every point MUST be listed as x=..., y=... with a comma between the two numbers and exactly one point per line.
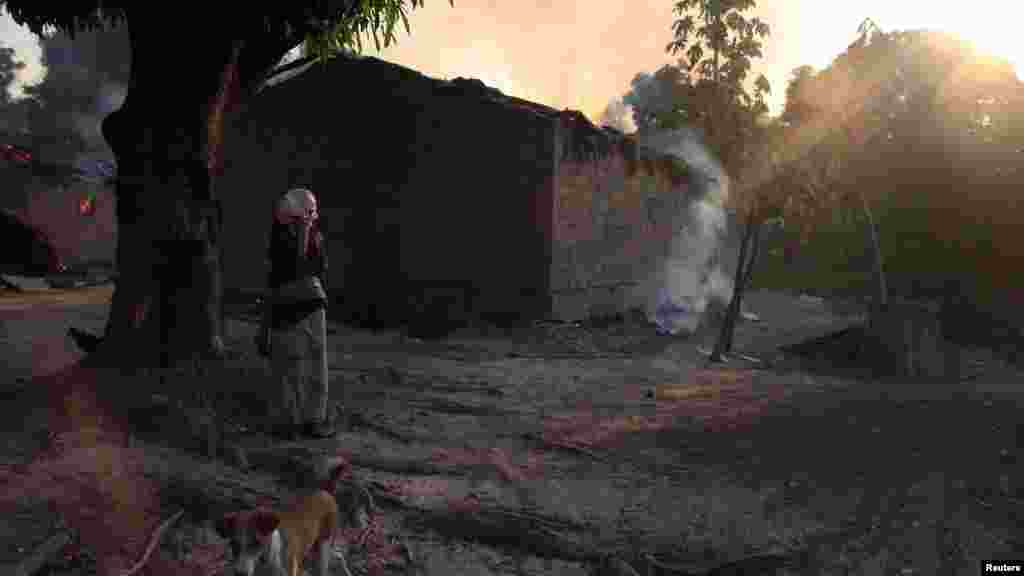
x=673, y=317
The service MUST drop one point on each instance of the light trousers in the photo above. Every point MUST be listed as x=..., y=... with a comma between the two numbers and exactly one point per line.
x=299, y=358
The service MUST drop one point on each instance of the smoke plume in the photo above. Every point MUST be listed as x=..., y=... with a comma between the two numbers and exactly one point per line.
x=96, y=150
x=649, y=96
x=692, y=276
x=618, y=115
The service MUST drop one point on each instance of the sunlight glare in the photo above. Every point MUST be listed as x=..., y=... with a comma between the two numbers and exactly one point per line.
x=992, y=26
x=999, y=38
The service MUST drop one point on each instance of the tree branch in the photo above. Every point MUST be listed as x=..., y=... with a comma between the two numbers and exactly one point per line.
x=347, y=13
x=46, y=552
x=297, y=63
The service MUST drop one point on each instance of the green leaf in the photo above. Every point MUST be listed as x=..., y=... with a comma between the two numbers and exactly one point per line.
x=405, y=21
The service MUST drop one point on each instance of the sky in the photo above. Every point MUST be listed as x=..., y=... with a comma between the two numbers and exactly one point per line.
x=582, y=54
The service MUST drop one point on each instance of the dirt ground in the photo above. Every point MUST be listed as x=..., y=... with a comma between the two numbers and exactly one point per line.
x=576, y=438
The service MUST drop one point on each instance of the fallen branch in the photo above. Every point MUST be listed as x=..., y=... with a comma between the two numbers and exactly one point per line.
x=403, y=466
x=448, y=406
x=547, y=520
x=765, y=563
x=458, y=389
x=756, y=564
x=153, y=540
x=421, y=381
x=550, y=537
x=209, y=486
x=566, y=446
x=381, y=493
x=358, y=420
x=40, y=556
x=567, y=356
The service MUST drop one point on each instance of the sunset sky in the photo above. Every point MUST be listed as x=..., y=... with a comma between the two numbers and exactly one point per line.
x=582, y=54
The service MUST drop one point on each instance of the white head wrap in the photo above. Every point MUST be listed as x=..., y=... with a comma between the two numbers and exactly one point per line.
x=296, y=204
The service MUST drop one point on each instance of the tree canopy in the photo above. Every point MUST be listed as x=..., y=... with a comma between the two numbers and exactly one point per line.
x=800, y=107
x=921, y=125
x=9, y=68
x=719, y=45
x=323, y=26
x=707, y=88
x=11, y=119
x=914, y=91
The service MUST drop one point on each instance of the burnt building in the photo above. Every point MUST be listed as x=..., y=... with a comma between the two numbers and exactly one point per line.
x=448, y=198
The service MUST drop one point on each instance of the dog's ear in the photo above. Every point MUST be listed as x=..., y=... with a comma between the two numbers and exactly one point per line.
x=225, y=525
x=264, y=522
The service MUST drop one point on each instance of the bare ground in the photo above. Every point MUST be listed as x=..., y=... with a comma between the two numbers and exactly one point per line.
x=555, y=449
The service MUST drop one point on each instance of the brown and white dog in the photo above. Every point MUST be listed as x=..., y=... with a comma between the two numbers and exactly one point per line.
x=281, y=539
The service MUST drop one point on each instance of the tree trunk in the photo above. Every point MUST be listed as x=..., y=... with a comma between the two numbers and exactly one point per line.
x=882, y=291
x=167, y=141
x=733, y=316
x=724, y=343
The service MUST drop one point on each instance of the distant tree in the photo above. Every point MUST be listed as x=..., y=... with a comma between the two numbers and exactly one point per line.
x=9, y=68
x=11, y=116
x=800, y=106
x=733, y=40
x=167, y=140
x=908, y=118
x=830, y=117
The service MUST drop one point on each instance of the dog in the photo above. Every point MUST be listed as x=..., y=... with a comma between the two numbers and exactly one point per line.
x=281, y=539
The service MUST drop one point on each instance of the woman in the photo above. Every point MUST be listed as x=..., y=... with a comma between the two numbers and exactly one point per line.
x=294, y=327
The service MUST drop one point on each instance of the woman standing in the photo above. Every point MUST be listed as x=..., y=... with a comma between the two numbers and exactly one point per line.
x=294, y=327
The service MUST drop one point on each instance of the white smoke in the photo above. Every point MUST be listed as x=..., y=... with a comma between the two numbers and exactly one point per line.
x=692, y=276
x=618, y=115
x=647, y=98
x=88, y=127
x=110, y=97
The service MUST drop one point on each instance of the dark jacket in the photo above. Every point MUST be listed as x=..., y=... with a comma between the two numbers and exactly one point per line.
x=286, y=267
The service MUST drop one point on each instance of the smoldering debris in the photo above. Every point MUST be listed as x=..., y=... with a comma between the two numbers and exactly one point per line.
x=692, y=276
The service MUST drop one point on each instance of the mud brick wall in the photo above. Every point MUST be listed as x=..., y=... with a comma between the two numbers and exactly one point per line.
x=430, y=193
x=448, y=198
x=319, y=131
x=618, y=206
x=474, y=205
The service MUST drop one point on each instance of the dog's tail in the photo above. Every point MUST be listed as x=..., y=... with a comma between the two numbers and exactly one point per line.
x=340, y=468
